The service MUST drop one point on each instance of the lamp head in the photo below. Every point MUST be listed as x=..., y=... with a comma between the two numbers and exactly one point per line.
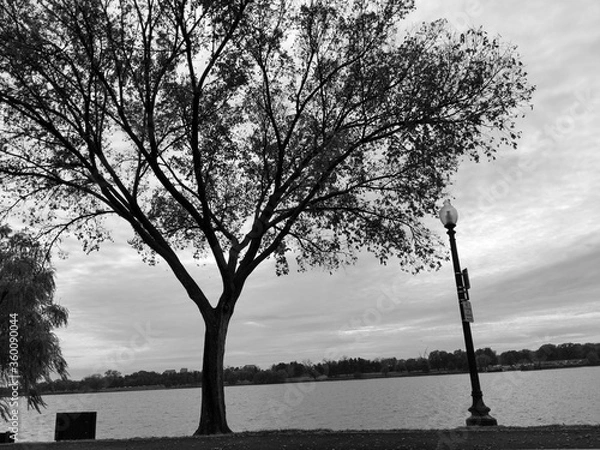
x=448, y=215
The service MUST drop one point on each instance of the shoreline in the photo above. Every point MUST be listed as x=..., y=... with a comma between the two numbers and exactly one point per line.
x=364, y=376
x=464, y=438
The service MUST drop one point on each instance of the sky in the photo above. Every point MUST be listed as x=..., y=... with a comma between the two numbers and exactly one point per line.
x=527, y=231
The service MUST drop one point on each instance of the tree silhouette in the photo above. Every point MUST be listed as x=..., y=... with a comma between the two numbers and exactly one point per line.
x=245, y=130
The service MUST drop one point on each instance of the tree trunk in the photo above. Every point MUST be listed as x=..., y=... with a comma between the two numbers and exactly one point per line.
x=213, y=419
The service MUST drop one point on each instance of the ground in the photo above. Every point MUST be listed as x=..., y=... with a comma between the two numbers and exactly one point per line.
x=549, y=437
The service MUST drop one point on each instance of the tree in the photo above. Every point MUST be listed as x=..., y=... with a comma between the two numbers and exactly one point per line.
x=94, y=382
x=483, y=361
x=26, y=303
x=460, y=360
x=492, y=358
x=547, y=352
x=509, y=358
x=113, y=378
x=419, y=364
x=570, y=351
x=245, y=130
x=438, y=359
x=592, y=358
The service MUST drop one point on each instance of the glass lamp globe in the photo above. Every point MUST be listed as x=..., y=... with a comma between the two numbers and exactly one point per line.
x=448, y=214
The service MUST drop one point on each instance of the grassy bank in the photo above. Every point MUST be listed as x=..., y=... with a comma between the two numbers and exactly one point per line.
x=548, y=437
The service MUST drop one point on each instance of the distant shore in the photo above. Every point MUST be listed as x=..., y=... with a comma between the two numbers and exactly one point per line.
x=306, y=379
x=484, y=438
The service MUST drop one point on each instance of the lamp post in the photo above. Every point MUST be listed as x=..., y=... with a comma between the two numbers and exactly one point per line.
x=479, y=412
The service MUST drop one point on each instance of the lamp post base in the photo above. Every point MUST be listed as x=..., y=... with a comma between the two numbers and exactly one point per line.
x=482, y=421
x=480, y=416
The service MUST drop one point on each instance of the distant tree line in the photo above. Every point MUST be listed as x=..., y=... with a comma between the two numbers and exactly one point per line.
x=114, y=380
x=437, y=361
x=551, y=352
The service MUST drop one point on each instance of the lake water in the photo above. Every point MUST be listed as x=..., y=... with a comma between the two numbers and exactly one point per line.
x=564, y=396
